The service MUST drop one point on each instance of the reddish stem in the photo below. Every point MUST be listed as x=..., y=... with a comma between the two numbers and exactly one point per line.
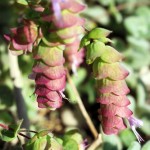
x=11, y=129
x=4, y=126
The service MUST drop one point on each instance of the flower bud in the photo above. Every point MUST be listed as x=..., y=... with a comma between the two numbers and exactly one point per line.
x=23, y=38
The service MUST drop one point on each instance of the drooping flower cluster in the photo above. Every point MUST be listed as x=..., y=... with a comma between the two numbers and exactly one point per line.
x=58, y=33
x=69, y=24
x=110, y=79
x=50, y=75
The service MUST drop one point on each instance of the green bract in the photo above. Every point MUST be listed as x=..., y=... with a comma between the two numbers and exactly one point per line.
x=94, y=50
x=98, y=33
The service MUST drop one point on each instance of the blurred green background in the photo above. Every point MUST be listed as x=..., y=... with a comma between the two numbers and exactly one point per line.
x=130, y=22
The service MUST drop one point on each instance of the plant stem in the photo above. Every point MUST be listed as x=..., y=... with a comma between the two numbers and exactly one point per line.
x=17, y=82
x=96, y=143
x=28, y=131
x=24, y=135
x=4, y=126
x=82, y=108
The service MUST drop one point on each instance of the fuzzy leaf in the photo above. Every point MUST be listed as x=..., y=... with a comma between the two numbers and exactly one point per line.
x=134, y=146
x=127, y=137
x=70, y=145
x=38, y=144
x=146, y=146
x=74, y=135
x=112, y=142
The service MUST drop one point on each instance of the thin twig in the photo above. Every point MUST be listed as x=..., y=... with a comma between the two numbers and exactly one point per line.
x=96, y=143
x=24, y=135
x=82, y=108
x=4, y=126
x=28, y=131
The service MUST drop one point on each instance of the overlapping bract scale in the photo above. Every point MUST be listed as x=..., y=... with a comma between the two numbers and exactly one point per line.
x=112, y=71
x=112, y=124
x=110, y=80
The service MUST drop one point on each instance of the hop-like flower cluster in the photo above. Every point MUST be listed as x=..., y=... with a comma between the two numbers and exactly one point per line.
x=67, y=25
x=50, y=75
x=110, y=79
x=61, y=31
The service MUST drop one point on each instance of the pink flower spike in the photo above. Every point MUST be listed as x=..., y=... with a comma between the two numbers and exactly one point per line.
x=134, y=123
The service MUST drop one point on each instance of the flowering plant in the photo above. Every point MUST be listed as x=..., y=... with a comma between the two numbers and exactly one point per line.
x=61, y=41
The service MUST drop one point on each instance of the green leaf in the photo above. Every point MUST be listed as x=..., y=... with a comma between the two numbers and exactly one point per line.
x=137, y=26
x=43, y=140
x=134, y=146
x=105, y=2
x=146, y=146
x=55, y=144
x=98, y=14
x=9, y=135
x=111, y=142
x=70, y=145
x=38, y=144
x=23, y=2
x=141, y=95
x=146, y=123
x=127, y=137
x=74, y=135
x=138, y=53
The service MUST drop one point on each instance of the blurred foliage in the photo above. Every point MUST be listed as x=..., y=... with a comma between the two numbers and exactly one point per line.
x=130, y=23
x=9, y=135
